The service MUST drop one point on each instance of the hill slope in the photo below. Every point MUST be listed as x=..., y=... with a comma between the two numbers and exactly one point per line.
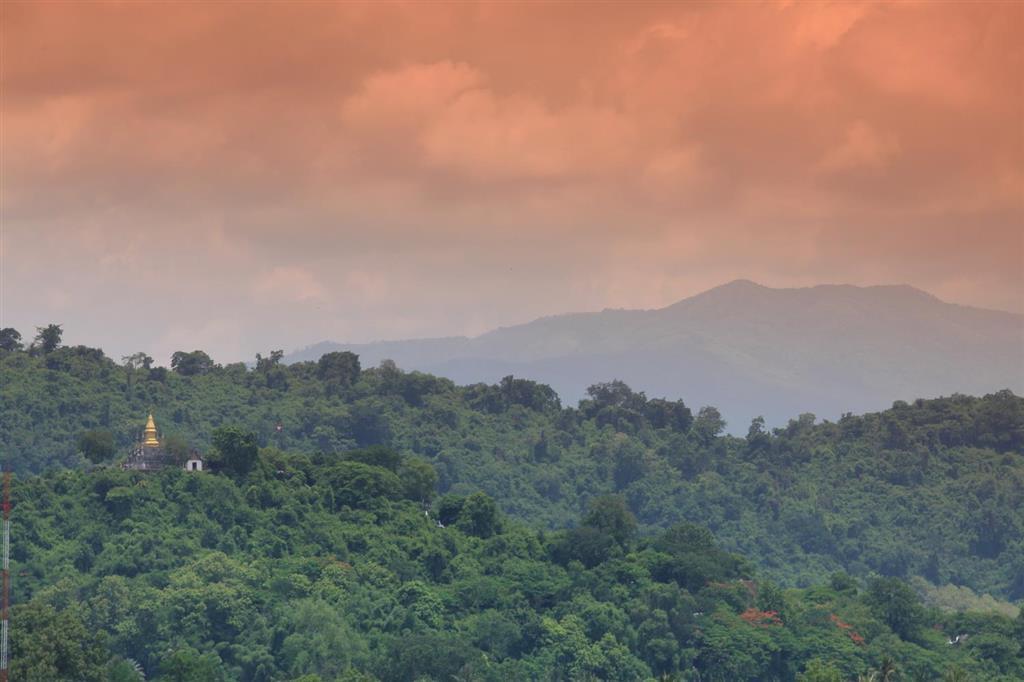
x=747, y=349
x=320, y=569
x=934, y=488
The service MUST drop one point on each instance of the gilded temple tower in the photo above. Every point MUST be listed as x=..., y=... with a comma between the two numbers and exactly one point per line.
x=149, y=454
x=149, y=438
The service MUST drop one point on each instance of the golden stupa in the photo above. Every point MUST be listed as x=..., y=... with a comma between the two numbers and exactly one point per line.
x=149, y=435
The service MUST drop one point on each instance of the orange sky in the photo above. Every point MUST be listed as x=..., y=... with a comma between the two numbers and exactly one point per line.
x=247, y=176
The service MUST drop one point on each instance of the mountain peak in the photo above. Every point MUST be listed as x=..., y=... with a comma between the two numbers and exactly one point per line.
x=725, y=294
x=739, y=285
x=739, y=290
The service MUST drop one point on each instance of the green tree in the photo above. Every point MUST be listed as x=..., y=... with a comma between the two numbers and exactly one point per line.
x=49, y=645
x=191, y=364
x=449, y=507
x=729, y=653
x=177, y=447
x=956, y=674
x=896, y=604
x=995, y=647
x=237, y=451
x=529, y=394
x=771, y=598
x=687, y=554
x=758, y=439
x=138, y=360
x=607, y=528
x=188, y=665
x=887, y=670
x=135, y=362
x=355, y=484
x=10, y=339
x=709, y=424
x=97, y=445
x=609, y=515
x=428, y=656
x=820, y=671
x=666, y=414
x=377, y=456
x=265, y=364
x=586, y=544
x=123, y=670
x=479, y=516
x=48, y=338
x=338, y=370
x=843, y=582
x=320, y=640
x=630, y=465
x=614, y=394
x=419, y=479
x=370, y=422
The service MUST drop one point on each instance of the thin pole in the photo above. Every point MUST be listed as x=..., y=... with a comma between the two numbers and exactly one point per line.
x=6, y=575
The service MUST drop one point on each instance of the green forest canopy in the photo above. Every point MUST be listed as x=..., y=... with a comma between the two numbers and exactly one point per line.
x=932, y=488
x=926, y=490
x=326, y=567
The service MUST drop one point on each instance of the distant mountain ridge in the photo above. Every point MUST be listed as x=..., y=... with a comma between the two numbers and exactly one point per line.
x=745, y=348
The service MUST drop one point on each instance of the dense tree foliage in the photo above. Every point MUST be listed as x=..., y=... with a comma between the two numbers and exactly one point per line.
x=933, y=489
x=626, y=538
x=196, y=362
x=10, y=339
x=47, y=338
x=320, y=567
x=97, y=445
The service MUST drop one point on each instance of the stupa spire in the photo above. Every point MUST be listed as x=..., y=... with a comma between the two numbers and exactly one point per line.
x=149, y=435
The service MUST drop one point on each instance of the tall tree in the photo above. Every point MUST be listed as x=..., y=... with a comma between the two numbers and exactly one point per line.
x=896, y=604
x=133, y=362
x=709, y=424
x=138, y=360
x=97, y=445
x=338, y=370
x=10, y=339
x=419, y=479
x=191, y=364
x=479, y=516
x=887, y=670
x=609, y=514
x=48, y=338
x=265, y=364
x=237, y=449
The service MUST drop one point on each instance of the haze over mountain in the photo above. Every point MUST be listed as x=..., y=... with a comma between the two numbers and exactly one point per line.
x=745, y=348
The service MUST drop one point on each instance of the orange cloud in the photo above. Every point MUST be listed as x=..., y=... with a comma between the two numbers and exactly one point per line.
x=416, y=169
x=288, y=284
x=862, y=147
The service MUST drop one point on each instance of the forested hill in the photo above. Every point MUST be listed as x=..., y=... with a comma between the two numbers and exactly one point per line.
x=326, y=569
x=933, y=488
x=747, y=349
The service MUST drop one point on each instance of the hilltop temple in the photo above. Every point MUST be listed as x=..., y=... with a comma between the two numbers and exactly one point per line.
x=151, y=455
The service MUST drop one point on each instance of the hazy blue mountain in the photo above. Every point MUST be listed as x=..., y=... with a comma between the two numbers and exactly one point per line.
x=745, y=348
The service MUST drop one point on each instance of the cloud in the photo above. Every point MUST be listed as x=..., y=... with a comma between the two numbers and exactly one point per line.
x=288, y=284
x=450, y=119
x=380, y=169
x=403, y=100
x=824, y=24
x=861, y=147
